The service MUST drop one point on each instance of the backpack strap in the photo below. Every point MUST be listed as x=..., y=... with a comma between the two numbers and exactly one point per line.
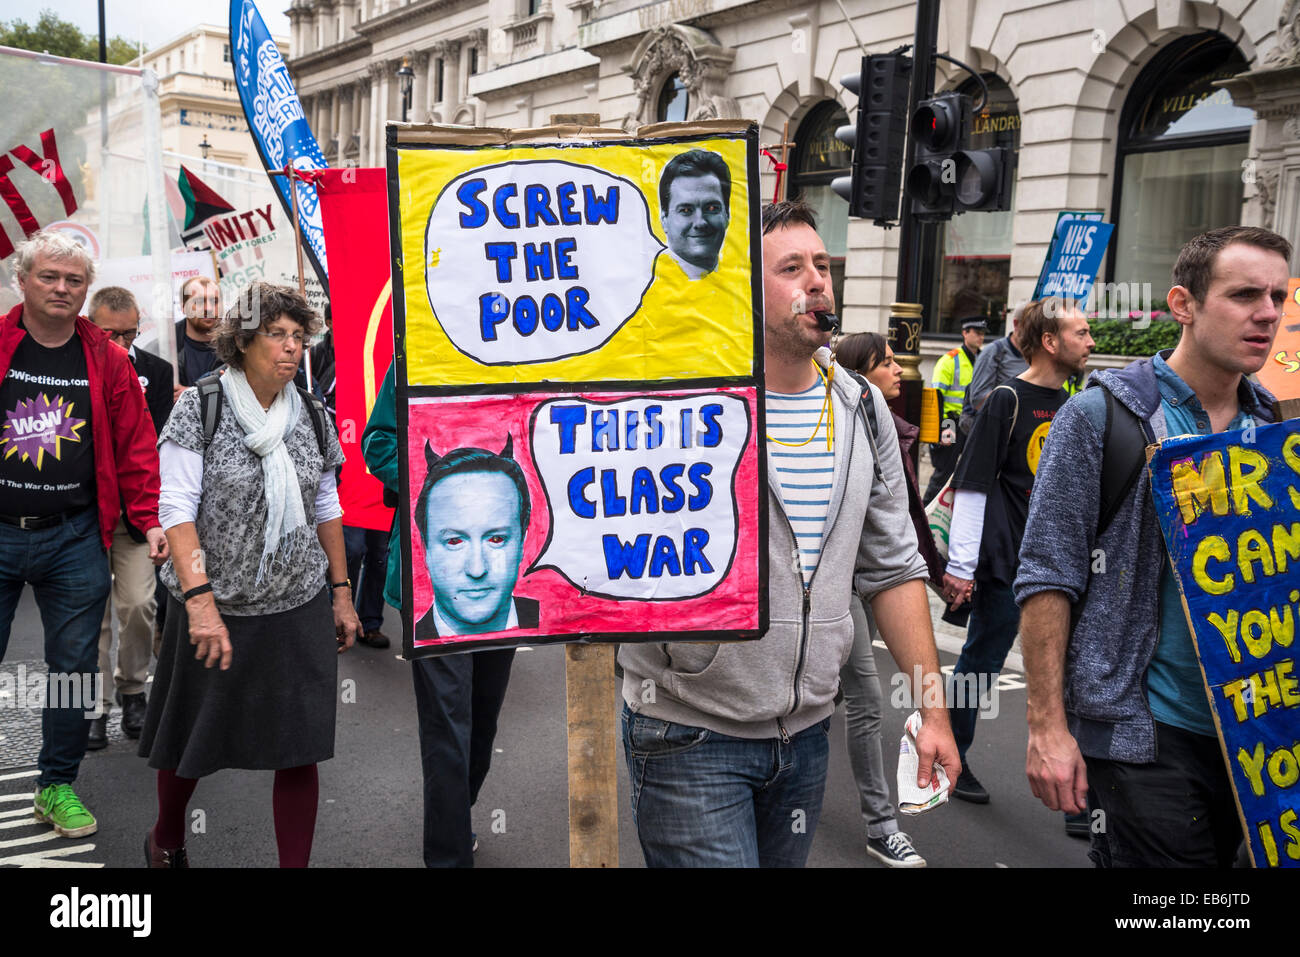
x=1123, y=455
x=319, y=417
x=1015, y=409
x=867, y=409
x=209, y=405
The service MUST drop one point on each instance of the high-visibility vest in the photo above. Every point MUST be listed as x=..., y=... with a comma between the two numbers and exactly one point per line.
x=952, y=374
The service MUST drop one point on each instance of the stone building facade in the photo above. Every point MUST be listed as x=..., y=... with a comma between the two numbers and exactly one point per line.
x=197, y=98
x=1168, y=116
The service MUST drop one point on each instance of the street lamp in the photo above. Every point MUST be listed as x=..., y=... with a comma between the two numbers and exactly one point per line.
x=205, y=146
x=405, y=79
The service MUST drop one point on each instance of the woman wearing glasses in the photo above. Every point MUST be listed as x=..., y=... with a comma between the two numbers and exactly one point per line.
x=260, y=589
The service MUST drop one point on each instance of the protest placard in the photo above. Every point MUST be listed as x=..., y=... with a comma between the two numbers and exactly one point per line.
x=1281, y=373
x=576, y=327
x=1050, y=257
x=1076, y=254
x=1229, y=508
x=354, y=212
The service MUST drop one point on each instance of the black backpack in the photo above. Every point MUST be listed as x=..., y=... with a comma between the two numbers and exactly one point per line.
x=1123, y=456
x=210, y=410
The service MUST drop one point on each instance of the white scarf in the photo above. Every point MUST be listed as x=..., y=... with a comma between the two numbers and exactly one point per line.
x=264, y=435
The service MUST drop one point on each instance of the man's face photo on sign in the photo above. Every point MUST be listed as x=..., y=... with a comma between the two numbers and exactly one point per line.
x=472, y=515
x=694, y=204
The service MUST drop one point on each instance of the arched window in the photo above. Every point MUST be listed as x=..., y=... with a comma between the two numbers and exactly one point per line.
x=1178, y=169
x=674, y=101
x=974, y=270
x=817, y=159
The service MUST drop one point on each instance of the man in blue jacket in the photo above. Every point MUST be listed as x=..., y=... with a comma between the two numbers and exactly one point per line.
x=1118, y=715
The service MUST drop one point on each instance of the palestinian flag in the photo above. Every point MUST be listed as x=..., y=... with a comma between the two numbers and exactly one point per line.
x=201, y=204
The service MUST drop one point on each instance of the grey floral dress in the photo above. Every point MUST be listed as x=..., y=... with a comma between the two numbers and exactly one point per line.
x=275, y=706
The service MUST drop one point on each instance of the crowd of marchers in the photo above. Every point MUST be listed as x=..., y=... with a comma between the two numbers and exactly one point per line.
x=197, y=510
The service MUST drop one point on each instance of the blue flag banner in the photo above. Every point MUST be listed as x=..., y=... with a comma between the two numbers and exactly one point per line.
x=1229, y=508
x=1075, y=258
x=277, y=123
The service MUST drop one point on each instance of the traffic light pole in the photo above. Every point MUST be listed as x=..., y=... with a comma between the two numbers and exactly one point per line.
x=916, y=239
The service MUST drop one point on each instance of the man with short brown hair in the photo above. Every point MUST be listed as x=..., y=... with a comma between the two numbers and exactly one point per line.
x=201, y=311
x=731, y=747
x=993, y=483
x=1119, y=720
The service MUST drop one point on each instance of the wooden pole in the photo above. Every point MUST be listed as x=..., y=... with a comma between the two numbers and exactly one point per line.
x=593, y=755
x=780, y=190
x=589, y=704
x=297, y=244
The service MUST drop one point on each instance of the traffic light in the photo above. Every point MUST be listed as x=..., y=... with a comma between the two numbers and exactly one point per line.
x=940, y=127
x=877, y=137
x=984, y=179
x=946, y=177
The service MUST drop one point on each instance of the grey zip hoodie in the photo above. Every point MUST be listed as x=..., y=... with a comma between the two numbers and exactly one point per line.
x=786, y=681
x=1112, y=581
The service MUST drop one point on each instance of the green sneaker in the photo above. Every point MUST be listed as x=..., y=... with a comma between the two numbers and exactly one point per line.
x=59, y=805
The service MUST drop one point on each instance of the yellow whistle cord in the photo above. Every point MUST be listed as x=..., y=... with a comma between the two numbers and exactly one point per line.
x=826, y=407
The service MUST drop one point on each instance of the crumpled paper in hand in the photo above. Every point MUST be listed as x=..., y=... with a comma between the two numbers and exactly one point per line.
x=912, y=799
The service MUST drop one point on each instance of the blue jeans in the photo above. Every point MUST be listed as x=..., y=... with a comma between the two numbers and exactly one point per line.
x=994, y=621
x=367, y=557
x=704, y=799
x=67, y=567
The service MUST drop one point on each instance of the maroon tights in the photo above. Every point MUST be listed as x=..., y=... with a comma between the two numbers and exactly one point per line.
x=293, y=800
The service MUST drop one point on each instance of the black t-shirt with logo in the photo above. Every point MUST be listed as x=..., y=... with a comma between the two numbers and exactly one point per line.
x=47, y=459
x=1001, y=462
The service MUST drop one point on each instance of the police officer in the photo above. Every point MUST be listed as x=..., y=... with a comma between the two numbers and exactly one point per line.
x=952, y=374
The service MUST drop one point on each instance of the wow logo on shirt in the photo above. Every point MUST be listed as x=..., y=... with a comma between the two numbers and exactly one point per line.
x=38, y=426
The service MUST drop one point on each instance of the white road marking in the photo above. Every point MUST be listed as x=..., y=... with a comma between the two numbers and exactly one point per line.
x=49, y=857
x=32, y=839
x=34, y=844
x=954, y=646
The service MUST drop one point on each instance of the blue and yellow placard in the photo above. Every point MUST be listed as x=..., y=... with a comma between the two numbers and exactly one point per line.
x=1229, y=508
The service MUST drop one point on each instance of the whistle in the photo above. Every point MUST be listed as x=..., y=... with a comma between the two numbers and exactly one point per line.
x=827, y=321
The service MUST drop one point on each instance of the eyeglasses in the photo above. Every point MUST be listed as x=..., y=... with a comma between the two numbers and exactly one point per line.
x=279, y=335
x=126, y=338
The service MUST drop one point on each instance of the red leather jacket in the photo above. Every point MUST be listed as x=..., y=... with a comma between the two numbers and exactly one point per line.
x=126, y=454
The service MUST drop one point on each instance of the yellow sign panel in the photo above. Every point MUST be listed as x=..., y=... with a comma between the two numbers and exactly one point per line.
x=629, y=261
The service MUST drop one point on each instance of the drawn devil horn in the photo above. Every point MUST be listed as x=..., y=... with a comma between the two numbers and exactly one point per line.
x=508, y=451
x=430, y=456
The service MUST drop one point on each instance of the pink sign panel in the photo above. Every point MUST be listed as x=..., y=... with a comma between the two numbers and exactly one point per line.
x=549, y=516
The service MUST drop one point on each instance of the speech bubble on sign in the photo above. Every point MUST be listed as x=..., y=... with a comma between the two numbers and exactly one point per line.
x=537, y=260
x=641, y=492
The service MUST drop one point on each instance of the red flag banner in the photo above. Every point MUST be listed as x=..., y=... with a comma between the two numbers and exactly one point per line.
x=354, y=212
